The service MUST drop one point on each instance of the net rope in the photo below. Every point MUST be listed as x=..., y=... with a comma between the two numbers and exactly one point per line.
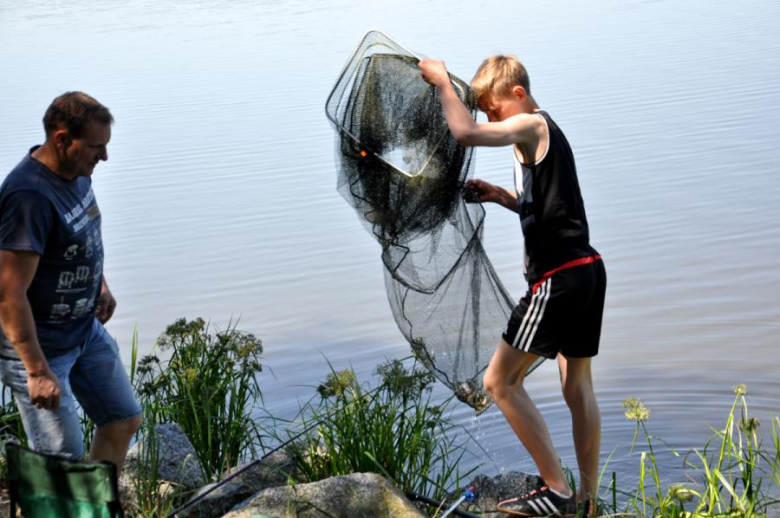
x=402, y=171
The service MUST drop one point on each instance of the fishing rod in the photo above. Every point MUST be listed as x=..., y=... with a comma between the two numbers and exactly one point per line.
x=467, y=496
x=255, y=462
x=453, y=510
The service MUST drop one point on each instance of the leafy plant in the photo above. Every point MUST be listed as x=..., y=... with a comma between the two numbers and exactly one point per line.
x=729, y=470
x=395, y=430
x=10, y=421
x=207, y=386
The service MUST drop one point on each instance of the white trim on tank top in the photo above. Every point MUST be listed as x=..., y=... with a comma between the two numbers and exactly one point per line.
x=546, y=149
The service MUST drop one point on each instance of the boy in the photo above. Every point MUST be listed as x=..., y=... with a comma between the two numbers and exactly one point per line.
x=561, y=313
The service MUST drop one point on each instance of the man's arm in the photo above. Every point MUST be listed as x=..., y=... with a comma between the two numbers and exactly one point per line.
x=521, y=128
x=17, y=269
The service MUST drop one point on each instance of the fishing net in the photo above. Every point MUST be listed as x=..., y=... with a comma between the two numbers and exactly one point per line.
x=403, y=172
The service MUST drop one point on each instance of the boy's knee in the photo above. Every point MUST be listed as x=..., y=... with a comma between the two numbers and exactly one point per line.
x=576, y=393
x=497, y=387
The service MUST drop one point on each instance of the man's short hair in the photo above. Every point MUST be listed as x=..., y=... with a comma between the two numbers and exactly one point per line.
x=74, y=111
x=497, y=75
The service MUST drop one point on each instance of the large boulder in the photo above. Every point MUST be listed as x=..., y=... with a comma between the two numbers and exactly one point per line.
x=252, y=478
x=359, y=495
x=489, y=491
x=177, y=465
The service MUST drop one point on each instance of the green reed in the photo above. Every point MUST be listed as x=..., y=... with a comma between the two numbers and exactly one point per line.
x=395, y=430
x=207, y=385
x=150, y=500
x=727, y=473
x=10, y=420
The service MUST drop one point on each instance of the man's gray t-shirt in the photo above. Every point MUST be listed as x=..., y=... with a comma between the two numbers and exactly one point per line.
x=59, y=220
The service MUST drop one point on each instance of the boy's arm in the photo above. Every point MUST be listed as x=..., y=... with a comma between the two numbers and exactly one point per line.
x=467, y=132
x=486, y=191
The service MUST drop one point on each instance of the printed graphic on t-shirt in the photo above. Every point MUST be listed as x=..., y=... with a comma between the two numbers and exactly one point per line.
x=59, y=220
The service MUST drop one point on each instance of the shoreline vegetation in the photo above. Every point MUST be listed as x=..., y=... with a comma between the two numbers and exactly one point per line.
x=206, y=381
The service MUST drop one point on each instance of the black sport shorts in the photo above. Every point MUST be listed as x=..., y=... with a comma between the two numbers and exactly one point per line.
x=562, y=312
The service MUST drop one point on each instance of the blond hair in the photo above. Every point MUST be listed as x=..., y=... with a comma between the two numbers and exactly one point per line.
x=497, y=75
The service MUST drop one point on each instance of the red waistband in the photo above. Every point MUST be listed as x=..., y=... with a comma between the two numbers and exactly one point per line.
x=566, y=266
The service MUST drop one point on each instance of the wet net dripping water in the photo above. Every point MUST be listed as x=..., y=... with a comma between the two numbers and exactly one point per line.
x=403, y=173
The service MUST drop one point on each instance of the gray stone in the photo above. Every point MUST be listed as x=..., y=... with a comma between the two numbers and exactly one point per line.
x=359, y=495
x=177, y=463
x=489, y=491
x=272, y=471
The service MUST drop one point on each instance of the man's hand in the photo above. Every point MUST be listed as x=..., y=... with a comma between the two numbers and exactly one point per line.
x=106, y=304
x=434, y=72
x=44, y=389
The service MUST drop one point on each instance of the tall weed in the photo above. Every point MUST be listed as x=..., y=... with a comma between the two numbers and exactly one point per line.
x=207, y=385
x=727, y=474
x=395, y=430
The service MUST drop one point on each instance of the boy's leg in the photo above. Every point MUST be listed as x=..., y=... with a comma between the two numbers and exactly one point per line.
x=101, y=385
x=577, y=386
x=503, y=380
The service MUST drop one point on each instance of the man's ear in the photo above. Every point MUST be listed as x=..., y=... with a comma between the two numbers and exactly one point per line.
x=62, y=140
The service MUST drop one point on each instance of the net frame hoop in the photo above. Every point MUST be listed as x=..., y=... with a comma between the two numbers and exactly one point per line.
x=344, y=131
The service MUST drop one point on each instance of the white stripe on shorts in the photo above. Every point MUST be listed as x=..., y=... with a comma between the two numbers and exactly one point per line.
x=533, y=316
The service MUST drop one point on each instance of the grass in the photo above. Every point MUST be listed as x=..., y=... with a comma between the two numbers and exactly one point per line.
x=727, y=474
x=395, y=430
x=207, y=385
x=10, y=420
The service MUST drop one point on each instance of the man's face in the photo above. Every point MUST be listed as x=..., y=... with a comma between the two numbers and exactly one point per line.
x=81, y=155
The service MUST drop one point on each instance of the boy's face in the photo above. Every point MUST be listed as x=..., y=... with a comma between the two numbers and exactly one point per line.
x=501, y=107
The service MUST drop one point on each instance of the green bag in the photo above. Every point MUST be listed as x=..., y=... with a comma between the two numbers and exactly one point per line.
x=46, y=485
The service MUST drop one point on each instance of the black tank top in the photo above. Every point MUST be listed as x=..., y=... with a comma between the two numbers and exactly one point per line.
x=552, y=213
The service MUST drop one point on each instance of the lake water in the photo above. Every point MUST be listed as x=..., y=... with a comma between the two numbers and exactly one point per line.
x=219, y=198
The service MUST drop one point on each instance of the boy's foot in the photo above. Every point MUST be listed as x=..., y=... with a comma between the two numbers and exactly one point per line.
x=540, y=502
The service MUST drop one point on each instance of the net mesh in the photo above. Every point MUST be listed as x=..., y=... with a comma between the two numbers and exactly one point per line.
x=403, y=172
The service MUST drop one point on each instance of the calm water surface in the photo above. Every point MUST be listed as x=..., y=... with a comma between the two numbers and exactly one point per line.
x=219, y=196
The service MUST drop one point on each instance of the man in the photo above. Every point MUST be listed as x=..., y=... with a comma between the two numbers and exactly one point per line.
x=54, y=299
x=561, y=314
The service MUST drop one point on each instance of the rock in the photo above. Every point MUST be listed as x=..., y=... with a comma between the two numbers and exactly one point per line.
x=270, y=472
x=359, y=495
x=177, y=464
x=490, y=491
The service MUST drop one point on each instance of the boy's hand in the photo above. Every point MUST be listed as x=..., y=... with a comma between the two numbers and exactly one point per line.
x=434, y=72
x=481, y=191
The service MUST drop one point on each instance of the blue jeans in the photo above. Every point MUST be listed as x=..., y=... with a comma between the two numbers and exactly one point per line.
x=91, y=374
